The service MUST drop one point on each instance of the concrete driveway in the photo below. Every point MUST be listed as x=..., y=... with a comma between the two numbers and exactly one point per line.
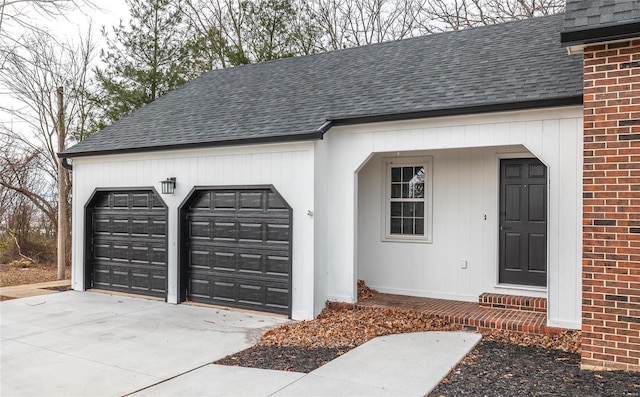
x=94, y=344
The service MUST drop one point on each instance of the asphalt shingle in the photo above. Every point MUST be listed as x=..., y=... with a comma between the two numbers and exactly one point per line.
x=290, y=99
x=593, y=14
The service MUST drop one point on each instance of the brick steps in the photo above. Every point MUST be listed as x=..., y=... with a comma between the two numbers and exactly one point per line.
x=473, y=316
x=524, y=303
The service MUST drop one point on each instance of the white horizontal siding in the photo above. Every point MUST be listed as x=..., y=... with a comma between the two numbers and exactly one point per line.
x=288, y=167
x=466, y=153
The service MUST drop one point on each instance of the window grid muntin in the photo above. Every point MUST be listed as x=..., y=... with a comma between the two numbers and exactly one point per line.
x=406, y=214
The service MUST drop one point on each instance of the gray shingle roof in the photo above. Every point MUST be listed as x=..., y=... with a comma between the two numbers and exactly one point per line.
x=581, y=14
x=511, y=65
x=600, y=19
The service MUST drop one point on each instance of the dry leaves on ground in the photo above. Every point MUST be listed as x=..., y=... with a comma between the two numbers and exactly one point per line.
x=364, y=292
x=18, y=275
x=568, y=341
x=339, y=328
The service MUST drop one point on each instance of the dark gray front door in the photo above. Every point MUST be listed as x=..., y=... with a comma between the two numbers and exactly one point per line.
x=237, y=249
x=127, y=242
x=523, y=222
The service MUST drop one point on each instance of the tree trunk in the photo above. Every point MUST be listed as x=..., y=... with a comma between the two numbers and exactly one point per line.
x=63, y=204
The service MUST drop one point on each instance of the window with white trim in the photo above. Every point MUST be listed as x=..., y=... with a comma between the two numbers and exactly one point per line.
x=408, y=199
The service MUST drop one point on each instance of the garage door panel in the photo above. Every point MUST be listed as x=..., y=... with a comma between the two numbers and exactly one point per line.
x=120, y=252
x=132, y=279
x=122, y=200
x=223, y=261
x=250, y=200
x=239, y=249
x=234, y=246
x=224, y=200
x=200, y=230
x=224, y=230
x=124, y=249
x=228, y=229
x=248, y=232
x=140, y=253
x=248, y=293
x=140, y=200
x=251, y=295
x=102, y=226
x=277, y=265
x=147, y=267
x=148, y=227
x=199, y=290
x=233, y=215
x=274, y=202
x=277, y=298
x=221, y=291
x=201, y=201
x=277, y=233
x=233, y=258
x=199, y=259
x=251, y=263
x=122, y=225
x=128, y=243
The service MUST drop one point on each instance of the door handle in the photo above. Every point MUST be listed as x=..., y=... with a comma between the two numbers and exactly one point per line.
x=505, y=227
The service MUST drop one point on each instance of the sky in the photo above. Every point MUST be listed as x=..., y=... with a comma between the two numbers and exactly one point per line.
x=105, y=13
x=65, y=28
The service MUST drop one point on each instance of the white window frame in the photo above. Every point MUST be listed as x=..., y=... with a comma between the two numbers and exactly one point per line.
x=427, y=163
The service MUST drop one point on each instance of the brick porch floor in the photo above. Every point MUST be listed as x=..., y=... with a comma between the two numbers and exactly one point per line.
x=469, y=314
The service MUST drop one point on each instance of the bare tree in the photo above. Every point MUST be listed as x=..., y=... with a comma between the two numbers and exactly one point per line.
x=20, y=206
x=205, y=20
x=21, y=172
x=443, y=15
x=218, y=31
x=235, y=32
x=14, y=10
x=33, y=73
x=349, y=23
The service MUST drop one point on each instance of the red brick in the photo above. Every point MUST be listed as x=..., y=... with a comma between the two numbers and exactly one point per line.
x=614, y=196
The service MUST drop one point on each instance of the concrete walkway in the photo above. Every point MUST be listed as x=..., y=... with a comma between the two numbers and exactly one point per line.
x=24, y=291
x=92, y=344
x=393, y=365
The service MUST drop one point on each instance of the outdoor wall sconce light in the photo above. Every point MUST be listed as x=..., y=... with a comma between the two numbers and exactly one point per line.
x=168, y=185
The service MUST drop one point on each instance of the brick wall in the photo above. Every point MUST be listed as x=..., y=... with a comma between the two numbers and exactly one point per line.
x=611, y=229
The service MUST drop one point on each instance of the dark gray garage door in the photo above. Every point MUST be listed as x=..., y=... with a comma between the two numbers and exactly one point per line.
x=237, y=249
x=127, y=242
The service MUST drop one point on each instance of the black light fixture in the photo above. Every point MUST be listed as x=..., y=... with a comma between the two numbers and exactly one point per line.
x=168, y=185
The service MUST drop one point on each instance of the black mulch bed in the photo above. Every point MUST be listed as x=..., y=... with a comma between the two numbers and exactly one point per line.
x=492, y=369
x=499, y=369
x=282, y=358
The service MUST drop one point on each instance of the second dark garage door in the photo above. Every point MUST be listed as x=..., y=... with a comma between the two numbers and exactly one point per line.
x=236, y=249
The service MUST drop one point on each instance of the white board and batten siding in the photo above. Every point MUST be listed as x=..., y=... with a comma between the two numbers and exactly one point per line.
x=288, y=167
x=466, y=152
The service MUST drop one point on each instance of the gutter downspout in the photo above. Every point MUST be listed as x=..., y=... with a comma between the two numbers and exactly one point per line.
x=325, y=127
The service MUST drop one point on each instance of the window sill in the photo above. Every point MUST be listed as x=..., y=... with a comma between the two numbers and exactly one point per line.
x=394, y=239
